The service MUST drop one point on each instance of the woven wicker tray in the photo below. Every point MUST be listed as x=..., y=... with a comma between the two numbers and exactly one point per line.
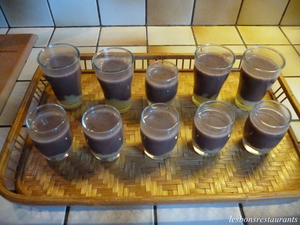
x=234, y=175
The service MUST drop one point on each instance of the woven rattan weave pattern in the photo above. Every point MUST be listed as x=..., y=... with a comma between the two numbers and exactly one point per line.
x=184, y=177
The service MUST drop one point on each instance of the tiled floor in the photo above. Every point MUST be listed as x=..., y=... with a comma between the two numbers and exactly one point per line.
x=153, y=39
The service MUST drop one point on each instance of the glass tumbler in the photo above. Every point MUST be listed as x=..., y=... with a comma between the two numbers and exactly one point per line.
x=60, y=64
x=213, y=123
x=265, y=127
x=159, y=129
x=114, y=70
x=213, y=64
x=103, y=131
x=49, y=129
x=161, y=82
x=260, y=68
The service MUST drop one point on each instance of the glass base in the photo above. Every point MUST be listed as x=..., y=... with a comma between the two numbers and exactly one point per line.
x=169, y=102
x=243, y=104
x=157, y=157
x=255, y=151
x=122, y=106
x=72, y=105
x=59, y=157
x=198, y=100
x=107, y=157
x=201, y=152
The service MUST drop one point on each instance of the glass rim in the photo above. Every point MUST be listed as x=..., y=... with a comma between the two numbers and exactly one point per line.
x=58, y=45
x=93, y=108
x=218, y=46
x=112, y=48
x=266, y=48
x=232, y=116
x=278, y=104
x=36, y=109
x=158, y=105
x=162, y=62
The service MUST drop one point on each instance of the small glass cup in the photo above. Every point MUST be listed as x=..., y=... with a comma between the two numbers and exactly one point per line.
x=265, y=127
x=260, y=68
x=213, y=64
x=213, y=123
x=159, y=129
x=60, y=64
x=161, y=82
x=114, y=69
x=103, y=131
x=49, y=129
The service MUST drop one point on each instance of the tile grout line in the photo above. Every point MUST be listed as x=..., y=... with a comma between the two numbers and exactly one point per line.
x=284, y=12
x=193, y=13
x=241, y=36
x=239, y=13
x=194, y=36
x=155, y=222
x=147, y=39
x=66, y=215
x=98, y=39
x=51, y=13
x=240, y=205
x=290, y=42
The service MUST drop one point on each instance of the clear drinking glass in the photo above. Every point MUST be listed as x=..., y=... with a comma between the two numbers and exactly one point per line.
x=159, y=129
x=260, y=68
x=114, y=70
x=161, y=82
x=213, y=123
x=265, y=127
x=60, y=64
x=213, y=64
x=103, y=131
x=49, y=129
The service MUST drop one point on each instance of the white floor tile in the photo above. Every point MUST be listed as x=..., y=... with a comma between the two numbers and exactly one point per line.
x=296, y=128
x=260, y=35
x=77, y=36
x=14, y=214
x=13, y=103
x=30, y=65
x=3, y=30
x=87, y=49
x=207, y=214
x=297, y=47
x=217, y=35
x=44, y=34
x=171, y=49
x=294, y=84
x=137, y=215
x=181, y=35
x=131, y=36
x=292, y=33
x=273, y=210
x=133, y=49
x=3, y=134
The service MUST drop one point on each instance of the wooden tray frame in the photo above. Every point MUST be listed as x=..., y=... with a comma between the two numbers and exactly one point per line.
x=17, y=151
